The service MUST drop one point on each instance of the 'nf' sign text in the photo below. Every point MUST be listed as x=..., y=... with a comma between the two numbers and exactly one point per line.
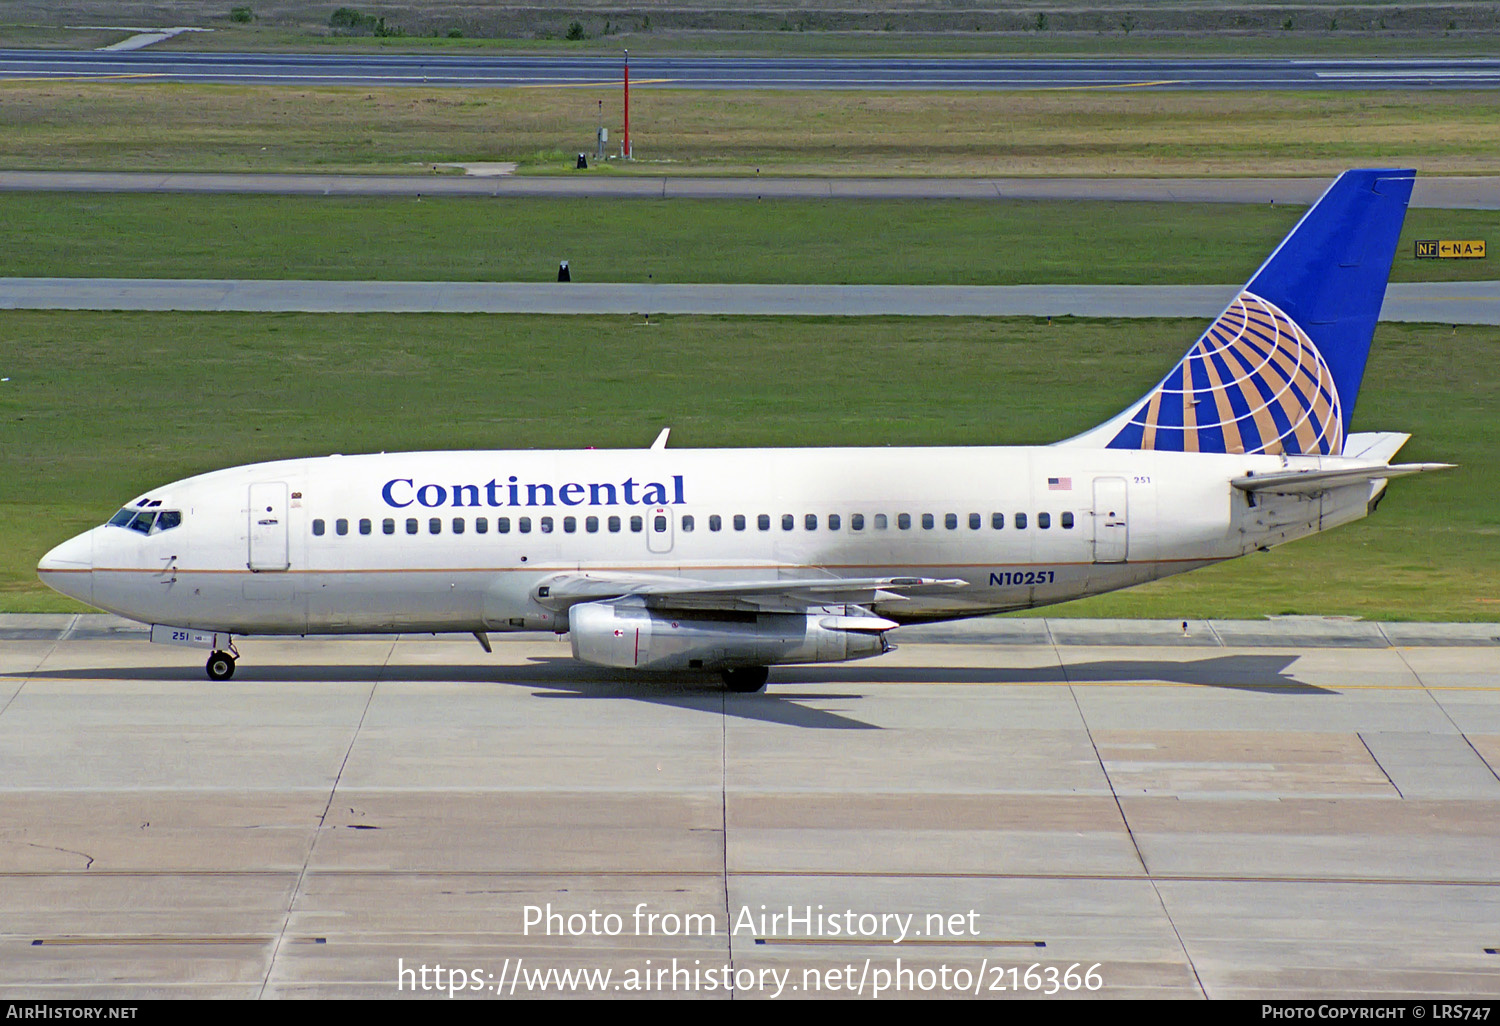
x=1470, y=249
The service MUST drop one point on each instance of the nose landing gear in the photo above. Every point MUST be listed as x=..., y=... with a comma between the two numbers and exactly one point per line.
x=220, y=666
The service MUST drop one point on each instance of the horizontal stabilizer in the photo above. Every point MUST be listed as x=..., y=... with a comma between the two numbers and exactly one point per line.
x=1307, y=482
x=1379, y=446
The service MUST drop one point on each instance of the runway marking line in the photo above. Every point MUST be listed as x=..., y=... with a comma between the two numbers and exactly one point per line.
x=1112, y=85
x=79, y=78
x=589, y=85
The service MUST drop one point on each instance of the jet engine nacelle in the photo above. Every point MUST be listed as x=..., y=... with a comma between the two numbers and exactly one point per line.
x=630, y=635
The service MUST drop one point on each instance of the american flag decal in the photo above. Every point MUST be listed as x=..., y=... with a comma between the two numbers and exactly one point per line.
x=1059, y=484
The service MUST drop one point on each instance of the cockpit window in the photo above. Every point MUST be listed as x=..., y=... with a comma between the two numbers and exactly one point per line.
x=147, y=521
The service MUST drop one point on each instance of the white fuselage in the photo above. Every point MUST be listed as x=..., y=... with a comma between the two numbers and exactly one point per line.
x=401, y=546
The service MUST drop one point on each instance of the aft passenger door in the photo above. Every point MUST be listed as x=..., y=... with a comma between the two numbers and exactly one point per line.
x=1111, y=525
x=268, y=526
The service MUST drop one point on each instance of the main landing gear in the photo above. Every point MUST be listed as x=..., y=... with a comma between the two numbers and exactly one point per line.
x=220, y=666
x=746, y=680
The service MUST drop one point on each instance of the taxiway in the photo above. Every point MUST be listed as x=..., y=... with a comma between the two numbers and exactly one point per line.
x=1280, y=809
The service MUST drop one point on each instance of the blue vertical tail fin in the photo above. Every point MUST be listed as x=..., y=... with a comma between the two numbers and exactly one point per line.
x=1280, y=369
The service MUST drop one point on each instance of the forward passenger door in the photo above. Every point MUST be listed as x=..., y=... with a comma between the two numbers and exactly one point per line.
x=268, y=526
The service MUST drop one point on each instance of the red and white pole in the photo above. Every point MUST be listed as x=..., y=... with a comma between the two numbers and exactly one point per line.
x=625, y=146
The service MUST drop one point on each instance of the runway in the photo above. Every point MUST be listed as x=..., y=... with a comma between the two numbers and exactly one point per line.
x=1422, y=302
x=1476, y=192
x=1293, y=808
x=492, y=70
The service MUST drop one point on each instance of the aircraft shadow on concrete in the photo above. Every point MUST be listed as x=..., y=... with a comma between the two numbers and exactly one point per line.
x=1266, y=674
x=564, y=678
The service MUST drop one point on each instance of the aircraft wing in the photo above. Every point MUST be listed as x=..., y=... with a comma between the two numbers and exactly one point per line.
x=769, y=594
x=1308, y=482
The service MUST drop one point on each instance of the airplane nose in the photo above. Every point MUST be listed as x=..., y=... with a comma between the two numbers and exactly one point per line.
x=69, y=568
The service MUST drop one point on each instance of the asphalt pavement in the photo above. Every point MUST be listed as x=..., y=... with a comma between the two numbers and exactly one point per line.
x=1479, y=192
x=491, y=70
x=1438, y=302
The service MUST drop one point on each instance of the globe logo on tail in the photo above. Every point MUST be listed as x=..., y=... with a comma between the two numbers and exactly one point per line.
x=1254, y=383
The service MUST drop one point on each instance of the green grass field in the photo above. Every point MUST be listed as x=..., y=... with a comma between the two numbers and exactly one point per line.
x=100, y=407
x=784, y=241
x=142, y=126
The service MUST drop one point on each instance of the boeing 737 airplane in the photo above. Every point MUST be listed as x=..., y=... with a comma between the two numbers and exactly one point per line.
x=737, y=560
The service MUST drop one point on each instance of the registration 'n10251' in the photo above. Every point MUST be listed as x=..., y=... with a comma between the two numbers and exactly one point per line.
x=1005, y=578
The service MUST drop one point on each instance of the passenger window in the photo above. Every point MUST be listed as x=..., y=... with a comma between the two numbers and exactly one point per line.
x=570, y=525
x=687, y=522
x=880, y=522
x=975, y=521
x=168, y=519
x=926, y=521
x=523, y=525
x=458, y=525
x=411, y=525
x=1020, y=521
x=997, y=520
x=659, y=524
x=637, y=525
x=1044, y=520
x=739, y=521
x=614, y=525
x=763, y=522
x=591, y=525
x=481, y=525
x=365, y=525
x=903, y=521
x=317, y=528
x=502, y=525
x=833, y=521
x=788, y=522
x=950, y=521
x=341, y=526
x=435, y=525
x=715, y=522
x=810, y=521
x=388, y=525
x=856, y=521
x=1067, y=521
x=545, y=523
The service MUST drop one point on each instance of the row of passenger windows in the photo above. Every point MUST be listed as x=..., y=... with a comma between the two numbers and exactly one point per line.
x=481, y=525
x=739, y=522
